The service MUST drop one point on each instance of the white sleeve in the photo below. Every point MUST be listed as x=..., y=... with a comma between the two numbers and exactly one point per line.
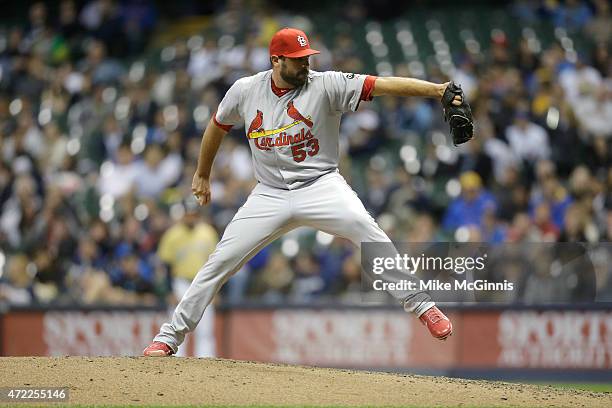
x=343, y=90
x=228, y=112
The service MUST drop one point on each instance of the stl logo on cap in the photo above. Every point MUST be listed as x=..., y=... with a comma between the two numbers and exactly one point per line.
x=291, y=43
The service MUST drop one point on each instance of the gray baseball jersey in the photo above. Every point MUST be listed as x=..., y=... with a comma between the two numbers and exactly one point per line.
x=293, y=137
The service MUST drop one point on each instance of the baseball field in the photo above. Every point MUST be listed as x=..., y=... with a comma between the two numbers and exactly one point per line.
x=214, y=382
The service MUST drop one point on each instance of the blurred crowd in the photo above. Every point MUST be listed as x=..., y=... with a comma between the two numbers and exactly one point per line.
x=100, y=132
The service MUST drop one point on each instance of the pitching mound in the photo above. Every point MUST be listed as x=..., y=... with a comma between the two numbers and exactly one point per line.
x=190, y=381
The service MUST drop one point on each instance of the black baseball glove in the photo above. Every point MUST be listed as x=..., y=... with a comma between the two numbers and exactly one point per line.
x=459, y=117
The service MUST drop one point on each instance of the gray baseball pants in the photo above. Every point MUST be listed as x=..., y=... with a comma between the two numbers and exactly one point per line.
x=328, y=204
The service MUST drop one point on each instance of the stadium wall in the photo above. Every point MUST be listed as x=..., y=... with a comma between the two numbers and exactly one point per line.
x=488, y=342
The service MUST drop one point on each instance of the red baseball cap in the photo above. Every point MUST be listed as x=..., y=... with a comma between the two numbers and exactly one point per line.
x=291, y=43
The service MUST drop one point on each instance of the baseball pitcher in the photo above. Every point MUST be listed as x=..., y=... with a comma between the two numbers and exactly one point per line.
x=292, y=116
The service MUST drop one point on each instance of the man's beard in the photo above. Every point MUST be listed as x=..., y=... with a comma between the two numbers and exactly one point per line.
x=296, y=80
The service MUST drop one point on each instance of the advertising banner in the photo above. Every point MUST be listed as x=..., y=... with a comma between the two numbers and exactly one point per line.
x=78, y=333
x=351, y=337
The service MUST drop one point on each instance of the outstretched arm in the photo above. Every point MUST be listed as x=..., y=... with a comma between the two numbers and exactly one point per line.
x=211, y=140
x=457, y=112
x=397, y=86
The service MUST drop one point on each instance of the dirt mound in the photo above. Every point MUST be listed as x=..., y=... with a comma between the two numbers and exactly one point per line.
x=191, y=381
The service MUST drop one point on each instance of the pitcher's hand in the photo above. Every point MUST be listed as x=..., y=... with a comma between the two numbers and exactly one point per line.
x=200, y=187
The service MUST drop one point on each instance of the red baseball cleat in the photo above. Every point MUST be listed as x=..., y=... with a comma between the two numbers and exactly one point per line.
x=158, y=349
x=438, y=324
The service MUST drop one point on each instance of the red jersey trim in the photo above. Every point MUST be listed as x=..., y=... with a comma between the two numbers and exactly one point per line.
x=227, y=128
x=279, y=91
x=368, y=88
